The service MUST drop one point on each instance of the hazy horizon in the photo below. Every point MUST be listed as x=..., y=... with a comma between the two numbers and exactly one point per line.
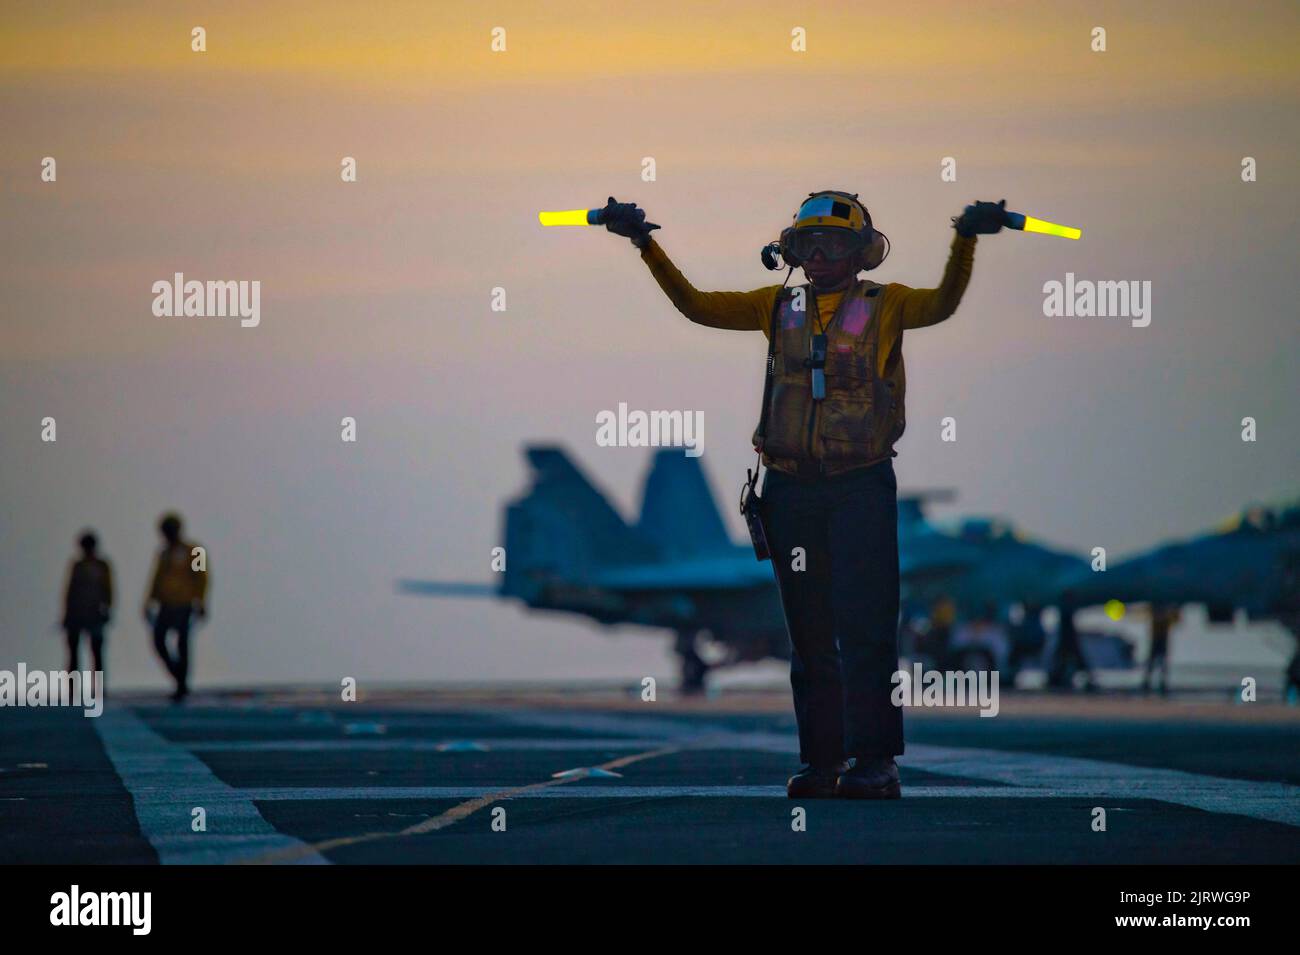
x=376, y=295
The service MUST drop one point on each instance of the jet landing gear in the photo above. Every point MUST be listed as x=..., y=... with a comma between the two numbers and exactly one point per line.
x=694, y=667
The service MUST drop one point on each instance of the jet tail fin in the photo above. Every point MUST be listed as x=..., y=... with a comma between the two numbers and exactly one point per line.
x=564, y=529
x=678, y=511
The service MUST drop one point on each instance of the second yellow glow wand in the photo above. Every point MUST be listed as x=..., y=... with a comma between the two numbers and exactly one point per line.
x=570, y=217
x=1024, y=223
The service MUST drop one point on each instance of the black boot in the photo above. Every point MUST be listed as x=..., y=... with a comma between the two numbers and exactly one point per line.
x=870, y=779
x=814, y=782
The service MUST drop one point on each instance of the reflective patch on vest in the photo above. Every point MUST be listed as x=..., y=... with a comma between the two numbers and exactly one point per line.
x=856, y=315
x=791, y=318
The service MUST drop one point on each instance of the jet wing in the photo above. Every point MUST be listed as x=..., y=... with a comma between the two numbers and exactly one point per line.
x=720, y=573
x=930, y=556
x=1182, y=573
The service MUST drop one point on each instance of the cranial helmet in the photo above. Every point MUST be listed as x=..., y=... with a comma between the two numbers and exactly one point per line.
x=822, y=216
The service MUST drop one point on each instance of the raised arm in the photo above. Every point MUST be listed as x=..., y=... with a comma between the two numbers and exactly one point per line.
x=739, y=311
x=929, y=306
x=920, y=307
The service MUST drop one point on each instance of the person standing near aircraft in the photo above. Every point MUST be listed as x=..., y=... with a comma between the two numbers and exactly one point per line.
x=1067, y=655
x=87, y=602
x=833, y=413
x=178, y=592
x=1163, y=619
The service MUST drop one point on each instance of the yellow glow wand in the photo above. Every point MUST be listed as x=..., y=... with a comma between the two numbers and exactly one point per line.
x=1024, y=223
x=625, y=214
x=570, y=217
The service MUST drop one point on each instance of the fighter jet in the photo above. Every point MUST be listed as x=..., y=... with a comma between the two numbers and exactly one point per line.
x=1250, y=563
x=1007, y=568
x=569, y=550
x=1000, y=580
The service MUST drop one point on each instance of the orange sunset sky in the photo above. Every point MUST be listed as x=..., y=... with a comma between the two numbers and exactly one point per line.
x=376, y=294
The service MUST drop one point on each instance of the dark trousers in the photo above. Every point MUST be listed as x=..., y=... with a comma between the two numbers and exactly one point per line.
x=1157, y=657
x=95, y=634
x=841, y=610
x=1068, y=656
x=174, y=618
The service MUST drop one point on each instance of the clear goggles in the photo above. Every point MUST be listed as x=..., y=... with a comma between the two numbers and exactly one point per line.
x=834, y=244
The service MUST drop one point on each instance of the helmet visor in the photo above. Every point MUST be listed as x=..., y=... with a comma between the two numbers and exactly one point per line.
x=834, y=244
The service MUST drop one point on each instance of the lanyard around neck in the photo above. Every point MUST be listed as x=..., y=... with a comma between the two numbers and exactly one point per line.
x=816, y=312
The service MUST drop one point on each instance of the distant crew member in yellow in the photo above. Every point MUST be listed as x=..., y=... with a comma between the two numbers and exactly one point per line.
x=177, y=593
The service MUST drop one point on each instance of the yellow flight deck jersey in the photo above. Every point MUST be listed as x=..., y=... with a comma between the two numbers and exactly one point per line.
x=862, y=414
x=175, y=582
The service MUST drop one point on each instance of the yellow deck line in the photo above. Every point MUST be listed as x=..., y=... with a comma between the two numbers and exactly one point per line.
x=448, y=818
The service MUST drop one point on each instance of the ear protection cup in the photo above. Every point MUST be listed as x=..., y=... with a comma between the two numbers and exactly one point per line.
x=790, y=258
x=876, y=251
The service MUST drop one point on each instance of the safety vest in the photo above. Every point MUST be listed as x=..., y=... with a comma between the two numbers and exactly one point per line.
x=175, y=582
x=861, y=417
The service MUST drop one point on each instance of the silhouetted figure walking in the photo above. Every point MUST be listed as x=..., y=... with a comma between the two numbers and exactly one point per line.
x=1068, y=657
x=87, y=602
x=1163, y=619
x=178, y=592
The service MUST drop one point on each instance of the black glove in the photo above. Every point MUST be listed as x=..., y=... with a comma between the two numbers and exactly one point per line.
x=983, y=218
x=625, y=219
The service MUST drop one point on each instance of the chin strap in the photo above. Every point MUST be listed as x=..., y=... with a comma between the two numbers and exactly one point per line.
x=847, y=284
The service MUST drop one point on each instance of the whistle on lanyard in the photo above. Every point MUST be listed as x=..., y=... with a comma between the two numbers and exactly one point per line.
x=816, y=361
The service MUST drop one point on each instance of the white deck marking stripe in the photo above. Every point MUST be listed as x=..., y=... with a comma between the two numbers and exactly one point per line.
x=166, y=782
x=1064, y=775
x=414, y=745
x=1071, y=775
x=199, y=716
x=611, y=792
x=1015, y=774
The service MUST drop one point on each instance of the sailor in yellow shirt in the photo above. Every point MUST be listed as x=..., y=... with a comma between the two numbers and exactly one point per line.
x=834, y=409
x=178, y=590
